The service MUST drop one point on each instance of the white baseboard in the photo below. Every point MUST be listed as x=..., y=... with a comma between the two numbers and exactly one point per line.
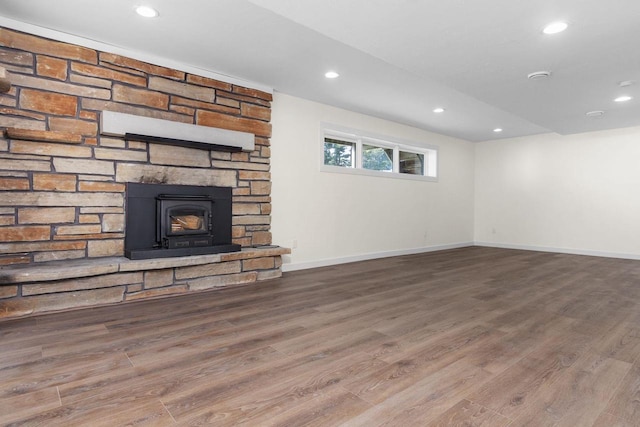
x=570, y=251
x=375, y=255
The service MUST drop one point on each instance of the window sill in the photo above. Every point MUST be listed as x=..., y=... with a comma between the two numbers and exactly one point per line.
x=379, y=174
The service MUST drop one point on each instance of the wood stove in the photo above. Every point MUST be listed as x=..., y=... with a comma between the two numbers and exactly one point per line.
x=177, y=220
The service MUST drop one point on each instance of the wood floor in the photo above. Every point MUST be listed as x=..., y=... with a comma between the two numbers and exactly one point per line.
x=466, y=337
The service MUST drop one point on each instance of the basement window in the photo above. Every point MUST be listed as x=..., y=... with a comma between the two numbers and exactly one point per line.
x=355, y=152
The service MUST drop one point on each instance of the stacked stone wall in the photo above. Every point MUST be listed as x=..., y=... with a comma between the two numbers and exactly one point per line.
x=63, y=183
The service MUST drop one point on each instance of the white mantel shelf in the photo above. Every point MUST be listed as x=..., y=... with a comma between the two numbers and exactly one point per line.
x=120, y=124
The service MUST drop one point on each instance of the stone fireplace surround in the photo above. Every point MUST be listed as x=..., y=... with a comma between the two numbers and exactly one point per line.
x=62, y=203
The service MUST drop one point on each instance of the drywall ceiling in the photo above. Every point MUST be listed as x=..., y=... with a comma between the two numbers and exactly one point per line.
x=397, y=59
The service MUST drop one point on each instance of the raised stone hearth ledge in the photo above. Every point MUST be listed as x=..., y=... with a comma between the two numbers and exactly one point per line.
x=71, y=284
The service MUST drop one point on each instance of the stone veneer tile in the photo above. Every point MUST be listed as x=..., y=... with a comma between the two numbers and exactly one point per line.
x=210, y=282
x=208, y=82
x=172, y=290
x=35, y=44
x=57, y=255
x=105, y=248
x=178, y=156
x=208, y=270
x=15, y=248
x=59, y=271
x=19, y=198
x=183, y=89
x=26, y=233
x=84, y=210
x=50, y=149
x=251, y=220
x=14, y=184
x=24, y=165
x=107, y=74
x=89, y=219
x=134, y=64
x=158, y=278
x=54, y=302
x=54, y=182
x=14, y=259
x=8, y=291
x=100, y=167
x=240, y=165
x=265, y=263
x=60, y=87
x=147, y=98
x=112, y=223
x=129, y=172
x=15, y=122
x=79, y=284
x=254, y=253
x=109, y=187
x=269, y=274
x=46, y=215
x=39, y=135
x=63, y=230
x=116, y=154
x=51, y=67
x=83, y=127
x=7, y=220
x=49, y=102
x=160, y=263
x=224, y=121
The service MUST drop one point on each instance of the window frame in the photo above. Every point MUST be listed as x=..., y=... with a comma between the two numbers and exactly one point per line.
x=360, y=138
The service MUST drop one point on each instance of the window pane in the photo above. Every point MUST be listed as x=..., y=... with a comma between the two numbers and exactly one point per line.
x=411, y=163
x=377, y=158
x=339, y=153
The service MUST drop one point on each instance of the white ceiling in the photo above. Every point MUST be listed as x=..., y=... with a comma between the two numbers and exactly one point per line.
x=397, y=59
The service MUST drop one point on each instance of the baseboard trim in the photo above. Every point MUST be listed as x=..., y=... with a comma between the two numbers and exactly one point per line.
x=375, y=255
x=570, y=251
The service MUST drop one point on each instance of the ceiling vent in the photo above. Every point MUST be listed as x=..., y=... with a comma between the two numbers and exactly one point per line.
x=539, y=75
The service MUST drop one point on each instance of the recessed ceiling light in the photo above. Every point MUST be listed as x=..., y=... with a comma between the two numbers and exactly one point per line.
x=596, y=113
x=623, y=98
x=539, y=75
x=331, y=75
x=497, y=130
x=555, y=27
x=438, y=110
x=146, y=11
x=627, y=83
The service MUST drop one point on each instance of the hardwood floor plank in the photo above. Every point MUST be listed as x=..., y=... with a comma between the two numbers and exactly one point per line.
x=626, y=402
x=16, y=407
x=423, y=401
x=470, y=414
x=509, y=392
x=576, y=398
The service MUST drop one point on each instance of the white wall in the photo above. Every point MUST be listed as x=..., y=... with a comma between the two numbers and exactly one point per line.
x=338, y=217
x=577, y=193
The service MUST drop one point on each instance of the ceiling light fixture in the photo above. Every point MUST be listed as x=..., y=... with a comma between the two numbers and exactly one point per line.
x=623, y=98
x=626, y=83
x=331, y=75
x=596, y=113
x=146, y=11
x=438, y=110
x=539, y=75
x=555, y=27
x=497, y=130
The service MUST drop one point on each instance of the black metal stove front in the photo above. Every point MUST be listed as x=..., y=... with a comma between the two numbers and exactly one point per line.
x=177, y=220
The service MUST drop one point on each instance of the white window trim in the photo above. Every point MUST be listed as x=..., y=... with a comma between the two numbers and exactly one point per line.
x=429, y=151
